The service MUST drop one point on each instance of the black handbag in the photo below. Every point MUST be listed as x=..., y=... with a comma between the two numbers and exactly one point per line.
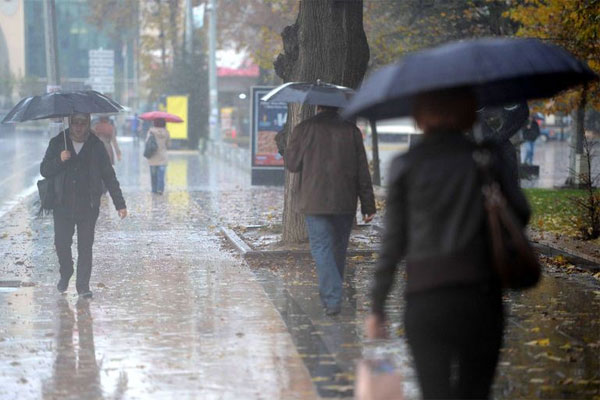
x=513, y=258
x=46, y=193
x=151, y=146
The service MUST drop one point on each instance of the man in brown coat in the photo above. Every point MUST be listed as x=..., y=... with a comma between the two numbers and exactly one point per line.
x=329, y=152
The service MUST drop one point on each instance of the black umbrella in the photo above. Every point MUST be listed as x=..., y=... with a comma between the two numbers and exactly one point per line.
x=61, y=104
x=320, y=93
x=499, y=70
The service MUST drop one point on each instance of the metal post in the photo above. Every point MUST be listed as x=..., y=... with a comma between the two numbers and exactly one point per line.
x=375, y=145
x=52, y=71
x=136, y=86
x=213, y=119
x=189, y=28
x=124, y=53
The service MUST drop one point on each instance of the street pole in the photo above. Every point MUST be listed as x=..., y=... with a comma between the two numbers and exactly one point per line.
x=375, y=145
x=213, y=119
x=52, y=71
x=136, y=86
x=124, y=53
x=189, y=29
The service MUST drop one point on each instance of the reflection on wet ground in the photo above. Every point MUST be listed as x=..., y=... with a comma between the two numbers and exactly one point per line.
x=172, y=314
x=175, y=314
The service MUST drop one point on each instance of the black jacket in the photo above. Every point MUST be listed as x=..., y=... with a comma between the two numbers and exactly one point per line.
x=100, y=171
x=435, y=216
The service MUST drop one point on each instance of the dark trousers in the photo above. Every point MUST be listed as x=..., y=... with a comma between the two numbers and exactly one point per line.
x=64, y=227
x=455, y=336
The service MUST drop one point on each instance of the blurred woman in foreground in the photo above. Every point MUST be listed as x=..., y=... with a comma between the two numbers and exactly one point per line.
x=436, y=220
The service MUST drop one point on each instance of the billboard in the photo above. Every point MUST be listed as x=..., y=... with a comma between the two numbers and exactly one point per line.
x=267, y=120
x=178, y=105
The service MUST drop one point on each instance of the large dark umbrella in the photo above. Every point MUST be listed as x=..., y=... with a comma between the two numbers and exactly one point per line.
x=499, y=70
x=319, y=93
x=61, y=104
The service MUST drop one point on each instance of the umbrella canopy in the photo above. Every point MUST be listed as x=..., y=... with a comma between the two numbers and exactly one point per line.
x=320, y=93
x=61, y=104
x=152, y=115
x=499, y=70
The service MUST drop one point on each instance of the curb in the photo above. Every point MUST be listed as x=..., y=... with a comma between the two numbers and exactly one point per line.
x=246, y=251
x=579, y=262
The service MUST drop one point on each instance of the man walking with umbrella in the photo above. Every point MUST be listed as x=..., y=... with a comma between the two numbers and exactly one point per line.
x=78, y=165
x=330, y=153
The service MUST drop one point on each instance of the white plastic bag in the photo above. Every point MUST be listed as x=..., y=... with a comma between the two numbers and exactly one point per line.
x=378, y=379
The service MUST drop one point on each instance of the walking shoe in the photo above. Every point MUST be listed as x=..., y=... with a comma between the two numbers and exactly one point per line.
x=62, y=285
x=333, y=310
x=86, y=295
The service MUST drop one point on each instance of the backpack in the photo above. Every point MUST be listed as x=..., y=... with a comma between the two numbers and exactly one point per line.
x=151, y=146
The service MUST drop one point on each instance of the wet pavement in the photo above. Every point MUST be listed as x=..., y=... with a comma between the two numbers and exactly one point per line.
x=176, y=313
x=173, y=315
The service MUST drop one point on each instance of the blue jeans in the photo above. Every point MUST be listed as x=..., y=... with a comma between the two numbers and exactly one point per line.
x=329, y=236
x=157, y=175
x=529, y=147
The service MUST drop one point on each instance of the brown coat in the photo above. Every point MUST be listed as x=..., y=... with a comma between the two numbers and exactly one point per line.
x=330, y=153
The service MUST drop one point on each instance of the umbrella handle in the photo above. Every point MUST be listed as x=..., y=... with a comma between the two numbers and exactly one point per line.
x=64, y=133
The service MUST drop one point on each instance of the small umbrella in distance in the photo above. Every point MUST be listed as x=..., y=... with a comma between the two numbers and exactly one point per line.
x=319, y=93
x=498, y=70
x=152, y=115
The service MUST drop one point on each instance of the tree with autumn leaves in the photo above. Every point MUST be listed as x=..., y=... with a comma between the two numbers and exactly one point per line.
x=158, y=27
x=574, y=25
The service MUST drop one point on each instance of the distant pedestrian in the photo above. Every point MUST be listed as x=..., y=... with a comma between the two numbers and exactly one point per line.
x=531, y=131
x=78, y=173
x=331, y=156
x=499, y=125
x=435, y=219
x=159, y=160
x=135, y=128
x=106, y=132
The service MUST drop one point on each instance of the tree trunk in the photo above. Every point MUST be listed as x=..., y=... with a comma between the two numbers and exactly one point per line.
x=173, y=30
x=326, y=42
x=161, y=36
x=577, y=139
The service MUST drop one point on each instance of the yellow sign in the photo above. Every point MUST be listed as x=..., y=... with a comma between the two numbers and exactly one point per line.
x=178, y=105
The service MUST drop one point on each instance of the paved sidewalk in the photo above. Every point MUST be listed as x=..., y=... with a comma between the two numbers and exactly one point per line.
x=173, y=315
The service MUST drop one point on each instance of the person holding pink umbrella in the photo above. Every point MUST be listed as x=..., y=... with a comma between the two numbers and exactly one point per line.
x=158, y=158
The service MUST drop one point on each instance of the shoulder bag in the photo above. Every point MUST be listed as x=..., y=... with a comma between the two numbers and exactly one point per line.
x=513, y=258
x=151, y=146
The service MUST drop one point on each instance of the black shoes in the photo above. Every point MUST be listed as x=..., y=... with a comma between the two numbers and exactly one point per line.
x=331, y=311
x=62, y=285
x=86, y=295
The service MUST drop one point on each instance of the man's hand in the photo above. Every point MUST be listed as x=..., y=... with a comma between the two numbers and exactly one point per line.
x=119, y=156
x=65, y=155
x=375, y=327
x=368, y=217
x=122, y=212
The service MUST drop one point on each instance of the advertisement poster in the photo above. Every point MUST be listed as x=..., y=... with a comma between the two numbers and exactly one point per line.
x=267, y=120
x=178, y=105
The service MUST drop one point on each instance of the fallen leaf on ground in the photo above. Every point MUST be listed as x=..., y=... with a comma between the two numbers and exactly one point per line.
x=539, y=342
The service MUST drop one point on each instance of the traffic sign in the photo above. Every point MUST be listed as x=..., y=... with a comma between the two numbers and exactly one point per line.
x=102, y=70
